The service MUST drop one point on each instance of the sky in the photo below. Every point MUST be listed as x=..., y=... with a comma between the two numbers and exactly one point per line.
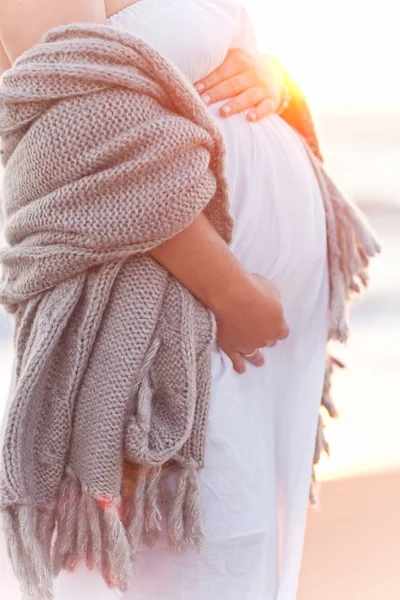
x=345, y=53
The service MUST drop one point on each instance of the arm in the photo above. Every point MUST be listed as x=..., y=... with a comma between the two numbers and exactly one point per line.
x=200, y=259
x=248, y=308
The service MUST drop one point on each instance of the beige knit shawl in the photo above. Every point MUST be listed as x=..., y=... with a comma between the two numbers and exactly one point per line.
x=108, y=152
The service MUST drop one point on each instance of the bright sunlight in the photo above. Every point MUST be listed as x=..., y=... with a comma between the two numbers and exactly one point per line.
x=344, y=53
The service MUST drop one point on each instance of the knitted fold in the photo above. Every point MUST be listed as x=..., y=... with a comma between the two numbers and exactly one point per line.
x=108, y=152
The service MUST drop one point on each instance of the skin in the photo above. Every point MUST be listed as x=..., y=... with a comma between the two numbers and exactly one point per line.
x=4, y=60
x=247, y=307
x=247, y=82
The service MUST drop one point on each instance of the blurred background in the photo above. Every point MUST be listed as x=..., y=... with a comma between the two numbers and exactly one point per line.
x=345, y=55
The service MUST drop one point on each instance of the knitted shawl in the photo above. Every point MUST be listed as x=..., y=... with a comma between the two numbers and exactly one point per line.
x=108, y=152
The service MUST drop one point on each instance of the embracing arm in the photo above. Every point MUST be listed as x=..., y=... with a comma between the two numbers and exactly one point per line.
x=247, y=307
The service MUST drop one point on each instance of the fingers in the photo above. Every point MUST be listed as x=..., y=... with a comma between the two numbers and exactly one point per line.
x=229, y=88
x=234, y=63
x=265, y=108
x=237, y=361
x=255, y=359
x=241, y=102
x=246, y=83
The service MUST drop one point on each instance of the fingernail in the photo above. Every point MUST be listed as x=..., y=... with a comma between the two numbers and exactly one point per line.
x=225, y=110
x=206, y=99
x=252, y=117
x=199, y=87
x=259, y=362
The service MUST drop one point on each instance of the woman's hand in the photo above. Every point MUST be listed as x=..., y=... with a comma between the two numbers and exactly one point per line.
x=247, y=307
x=251, y=322
x=247, y=82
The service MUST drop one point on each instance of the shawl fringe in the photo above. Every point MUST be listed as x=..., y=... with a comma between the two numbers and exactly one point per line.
x=351, y=244
x=348, y=275
x=102, y=532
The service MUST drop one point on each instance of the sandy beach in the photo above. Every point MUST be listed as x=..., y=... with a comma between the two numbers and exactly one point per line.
x=353, y=546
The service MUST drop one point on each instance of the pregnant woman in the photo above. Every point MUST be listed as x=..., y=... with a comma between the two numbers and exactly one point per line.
x=269, y=363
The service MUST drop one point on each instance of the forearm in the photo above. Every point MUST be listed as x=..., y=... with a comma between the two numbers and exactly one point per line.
x=200, y=259
x=24, y=22
x=247, y=306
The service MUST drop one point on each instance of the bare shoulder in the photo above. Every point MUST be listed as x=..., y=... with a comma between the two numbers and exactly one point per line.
x=115, y=6
x=24, y=23
x=4, y=60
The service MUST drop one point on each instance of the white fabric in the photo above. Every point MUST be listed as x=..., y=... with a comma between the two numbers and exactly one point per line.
x=262, y=424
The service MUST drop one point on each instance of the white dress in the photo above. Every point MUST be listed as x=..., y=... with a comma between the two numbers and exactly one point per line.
x=262, y=425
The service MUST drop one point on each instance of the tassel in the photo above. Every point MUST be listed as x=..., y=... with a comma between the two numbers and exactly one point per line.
x=94, y=552
x=327, y=401
x=364, y=277
x=176, y=530
x=338, y=324
x=363, y=256
x=328, y=404
x=153, y=516
x=91, y=529
x=336, y=362
x=20, y=561
x=89, y=545
x=64, y=552
x=354, y=287
x=45, y=524
x=116, y=554
x=319, y=441
x=27, y=556
x=193, y=510
x=314, y=492
x=82, y=544
x=185, y=520
x=321, y=444
x=135, y=521
x=363, y=232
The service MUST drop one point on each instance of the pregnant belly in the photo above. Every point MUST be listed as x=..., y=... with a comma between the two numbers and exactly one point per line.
x=275, y=198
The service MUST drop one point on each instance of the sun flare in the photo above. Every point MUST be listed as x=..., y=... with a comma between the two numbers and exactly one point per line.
x=344, y=53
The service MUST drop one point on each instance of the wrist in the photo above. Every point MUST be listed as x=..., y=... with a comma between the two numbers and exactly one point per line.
x=231, y=297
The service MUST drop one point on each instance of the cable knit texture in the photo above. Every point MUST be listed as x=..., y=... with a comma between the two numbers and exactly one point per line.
x=108, y=152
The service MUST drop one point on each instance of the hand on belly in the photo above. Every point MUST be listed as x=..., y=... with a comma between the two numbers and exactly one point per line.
x=250, y=322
